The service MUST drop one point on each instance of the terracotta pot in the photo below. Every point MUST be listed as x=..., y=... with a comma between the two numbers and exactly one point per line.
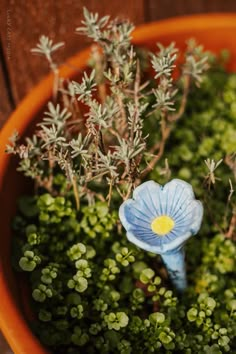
x=214, y=31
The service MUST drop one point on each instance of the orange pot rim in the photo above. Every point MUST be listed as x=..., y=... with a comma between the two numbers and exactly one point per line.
x=12, y=322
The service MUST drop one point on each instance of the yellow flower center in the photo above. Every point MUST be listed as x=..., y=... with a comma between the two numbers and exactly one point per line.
x=162, y=225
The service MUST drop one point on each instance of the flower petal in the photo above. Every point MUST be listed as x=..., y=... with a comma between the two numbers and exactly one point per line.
x=197, y=216
x=191, y=217
x=149, y=195
x=138, y=242
x=179, y=193
x=132, y=215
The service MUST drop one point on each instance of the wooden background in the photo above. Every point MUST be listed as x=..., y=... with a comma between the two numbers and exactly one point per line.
x=23, y=21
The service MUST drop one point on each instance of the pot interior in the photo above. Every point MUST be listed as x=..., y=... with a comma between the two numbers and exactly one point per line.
x=215, y=32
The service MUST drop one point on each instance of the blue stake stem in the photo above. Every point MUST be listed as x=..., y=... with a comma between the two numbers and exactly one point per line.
x=175, y=264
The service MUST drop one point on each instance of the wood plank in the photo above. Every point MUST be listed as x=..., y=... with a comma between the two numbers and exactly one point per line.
x=159, y=9
x=22, y=23
x=27, y=20
x=6, y=103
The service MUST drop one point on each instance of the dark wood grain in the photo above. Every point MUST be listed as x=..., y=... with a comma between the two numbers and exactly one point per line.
x=5, y=106
x=6, y=103
x=6, y=100
x=27, y=20
x=159, y=9
x=22, y=22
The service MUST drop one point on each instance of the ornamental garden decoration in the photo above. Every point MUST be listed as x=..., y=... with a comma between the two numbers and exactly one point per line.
x=160, y=220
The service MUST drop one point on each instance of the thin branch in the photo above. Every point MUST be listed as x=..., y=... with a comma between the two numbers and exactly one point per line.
x=76, y=192
x=165, y=130
x=99, y=68
x=178, y=115
x=232, y=228
x=136, y=101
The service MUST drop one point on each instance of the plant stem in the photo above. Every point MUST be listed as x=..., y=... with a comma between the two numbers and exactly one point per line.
x=97, y=56
x=136, y=102
x=165, y=130
x=76, y=192
x=186, y=87
x=232, y=228
x=110, y=192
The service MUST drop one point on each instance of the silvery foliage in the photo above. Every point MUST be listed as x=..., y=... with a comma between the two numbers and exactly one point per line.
x=109, y=143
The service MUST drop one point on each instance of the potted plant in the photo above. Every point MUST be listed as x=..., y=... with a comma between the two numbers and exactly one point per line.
x=113, y=141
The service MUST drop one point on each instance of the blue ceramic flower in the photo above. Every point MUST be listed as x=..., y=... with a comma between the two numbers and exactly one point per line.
x=160, y=219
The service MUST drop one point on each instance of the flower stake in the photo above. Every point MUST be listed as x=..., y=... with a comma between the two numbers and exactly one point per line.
x=160, y=219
